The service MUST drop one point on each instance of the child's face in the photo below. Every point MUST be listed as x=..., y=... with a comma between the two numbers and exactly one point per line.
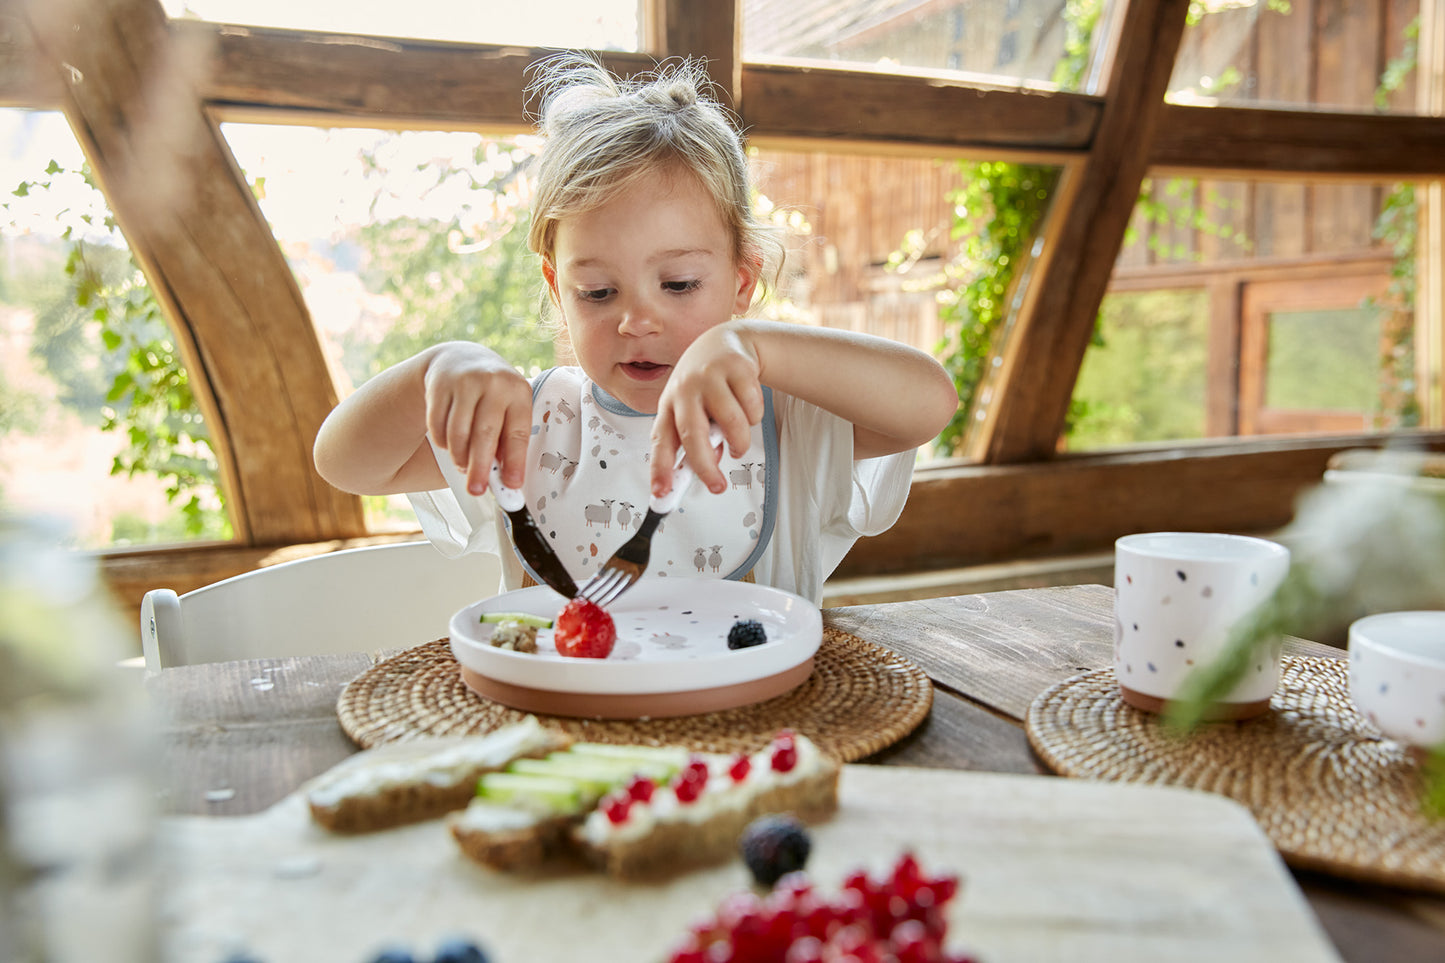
x=639, y=278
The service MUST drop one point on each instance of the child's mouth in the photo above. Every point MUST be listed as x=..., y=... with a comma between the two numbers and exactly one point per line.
x=645, y=370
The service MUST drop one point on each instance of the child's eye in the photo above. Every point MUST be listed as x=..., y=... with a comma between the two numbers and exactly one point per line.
x=681, y=287
x=594, y=295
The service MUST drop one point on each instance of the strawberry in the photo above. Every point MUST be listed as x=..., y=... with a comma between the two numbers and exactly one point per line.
x=584, y=630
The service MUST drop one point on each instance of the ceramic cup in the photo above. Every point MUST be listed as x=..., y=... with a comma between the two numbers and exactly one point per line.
x=1397, y=675
x=1177, y=595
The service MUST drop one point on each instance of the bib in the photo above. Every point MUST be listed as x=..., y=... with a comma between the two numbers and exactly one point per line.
x=589, y=478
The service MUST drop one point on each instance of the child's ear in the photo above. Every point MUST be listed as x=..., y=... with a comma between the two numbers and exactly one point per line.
x=749, y=272
x=549, y=272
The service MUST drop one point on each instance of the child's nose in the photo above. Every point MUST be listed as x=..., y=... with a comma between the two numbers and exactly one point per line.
x=637, y=318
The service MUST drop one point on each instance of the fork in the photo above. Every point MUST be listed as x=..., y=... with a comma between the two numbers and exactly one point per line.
x=625, y=567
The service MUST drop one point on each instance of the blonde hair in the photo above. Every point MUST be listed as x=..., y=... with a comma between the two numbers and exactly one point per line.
x=602, y=133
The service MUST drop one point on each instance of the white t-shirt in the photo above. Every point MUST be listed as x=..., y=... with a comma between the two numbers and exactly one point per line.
x=825, y=500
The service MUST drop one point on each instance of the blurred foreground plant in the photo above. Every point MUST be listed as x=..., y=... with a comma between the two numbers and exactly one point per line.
x=1365, y=542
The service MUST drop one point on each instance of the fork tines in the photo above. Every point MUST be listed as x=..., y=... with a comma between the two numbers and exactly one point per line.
x=625, y=567
x=614, y=579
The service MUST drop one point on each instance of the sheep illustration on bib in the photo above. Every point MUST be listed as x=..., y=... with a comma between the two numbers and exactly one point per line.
x=590, y=474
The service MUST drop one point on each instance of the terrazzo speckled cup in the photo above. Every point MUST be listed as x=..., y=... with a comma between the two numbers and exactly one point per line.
x=1397, y=675
x=1177, y=595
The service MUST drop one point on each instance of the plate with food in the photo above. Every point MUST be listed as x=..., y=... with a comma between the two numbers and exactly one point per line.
x=667, y=647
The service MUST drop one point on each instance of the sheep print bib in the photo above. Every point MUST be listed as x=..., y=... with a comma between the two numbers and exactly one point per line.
x=589, y=476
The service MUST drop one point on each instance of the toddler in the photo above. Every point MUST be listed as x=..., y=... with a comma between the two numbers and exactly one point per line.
x=652, y=255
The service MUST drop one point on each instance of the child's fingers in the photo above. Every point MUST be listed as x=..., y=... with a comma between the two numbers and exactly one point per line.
x=701, y=456
x=494, y=426
x=512, y=445
x=737, y=433
x=747, y=395
x=735, y=418
x=665, y=446
x=479, y=450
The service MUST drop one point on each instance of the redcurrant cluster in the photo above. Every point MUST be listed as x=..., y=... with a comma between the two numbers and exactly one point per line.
x=785, y=751
x=898, y=918
x=616, y=805
x=690, y=782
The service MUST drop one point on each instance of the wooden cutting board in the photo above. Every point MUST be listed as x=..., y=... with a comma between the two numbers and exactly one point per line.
x=1052, y=869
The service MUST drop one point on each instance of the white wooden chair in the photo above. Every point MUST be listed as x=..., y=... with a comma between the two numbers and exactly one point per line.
x=354, y=600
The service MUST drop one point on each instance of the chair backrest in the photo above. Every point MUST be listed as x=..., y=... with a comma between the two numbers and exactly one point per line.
x=354, y=600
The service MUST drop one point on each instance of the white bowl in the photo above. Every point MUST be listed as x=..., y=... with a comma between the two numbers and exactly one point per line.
x=1397, y=675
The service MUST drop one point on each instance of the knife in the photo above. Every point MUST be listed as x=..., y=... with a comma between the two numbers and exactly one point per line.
x=531, y=544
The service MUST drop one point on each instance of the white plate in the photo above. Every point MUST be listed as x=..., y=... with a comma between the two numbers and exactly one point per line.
x=671, y=637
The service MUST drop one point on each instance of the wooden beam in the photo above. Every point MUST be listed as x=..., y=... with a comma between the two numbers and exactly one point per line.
x=1250, y=141
x=285, y=76
x=712, y=31
x=328, y=79
x=132, y=96
x=826, y=105
x=1027, y=402
x=959, y=515
x=24, y=81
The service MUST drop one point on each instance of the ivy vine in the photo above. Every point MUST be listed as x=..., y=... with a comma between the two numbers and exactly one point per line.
x=997, y=211
x=1398, y=225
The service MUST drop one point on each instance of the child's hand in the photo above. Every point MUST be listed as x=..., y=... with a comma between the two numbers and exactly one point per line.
x=479, y=409
x=716, y=381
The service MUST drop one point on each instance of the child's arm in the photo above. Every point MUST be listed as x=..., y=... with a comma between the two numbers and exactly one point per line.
x=897, y=397
x=466, y=397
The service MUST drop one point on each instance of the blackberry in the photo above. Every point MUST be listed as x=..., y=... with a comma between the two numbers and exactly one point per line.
x=746, y=633
x=773, y=847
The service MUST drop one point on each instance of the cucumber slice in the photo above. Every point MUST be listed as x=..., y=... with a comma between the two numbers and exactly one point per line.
x=595, y=782
x=521, y=618
x=664, y=755
x=599, y=773
x=533, y=792
x=623, y=767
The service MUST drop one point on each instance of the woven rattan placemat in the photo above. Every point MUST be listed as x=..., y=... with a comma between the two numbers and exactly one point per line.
x=859, y=699
x=1329, y=791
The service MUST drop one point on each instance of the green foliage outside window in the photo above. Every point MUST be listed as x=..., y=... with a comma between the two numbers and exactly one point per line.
x=468, y=278
x=998, y=211
x=138, y=384
x=1150, y=384
x=1399, y=226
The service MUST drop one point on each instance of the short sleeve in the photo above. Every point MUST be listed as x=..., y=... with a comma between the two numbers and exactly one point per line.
x=827, y=500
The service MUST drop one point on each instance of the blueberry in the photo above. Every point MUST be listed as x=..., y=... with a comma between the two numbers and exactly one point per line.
x=459, y=950
x=773, y=847
x=746, y=633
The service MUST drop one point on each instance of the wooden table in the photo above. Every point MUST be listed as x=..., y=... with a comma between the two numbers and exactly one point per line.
x=239, y=736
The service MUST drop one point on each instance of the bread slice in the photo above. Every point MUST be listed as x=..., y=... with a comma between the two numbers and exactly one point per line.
x=522, y=816
x=509, y=838
x=511, y=828
x=413, y=782
x=666, y=835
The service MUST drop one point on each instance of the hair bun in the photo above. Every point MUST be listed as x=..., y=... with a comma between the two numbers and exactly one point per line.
x=683, y=93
